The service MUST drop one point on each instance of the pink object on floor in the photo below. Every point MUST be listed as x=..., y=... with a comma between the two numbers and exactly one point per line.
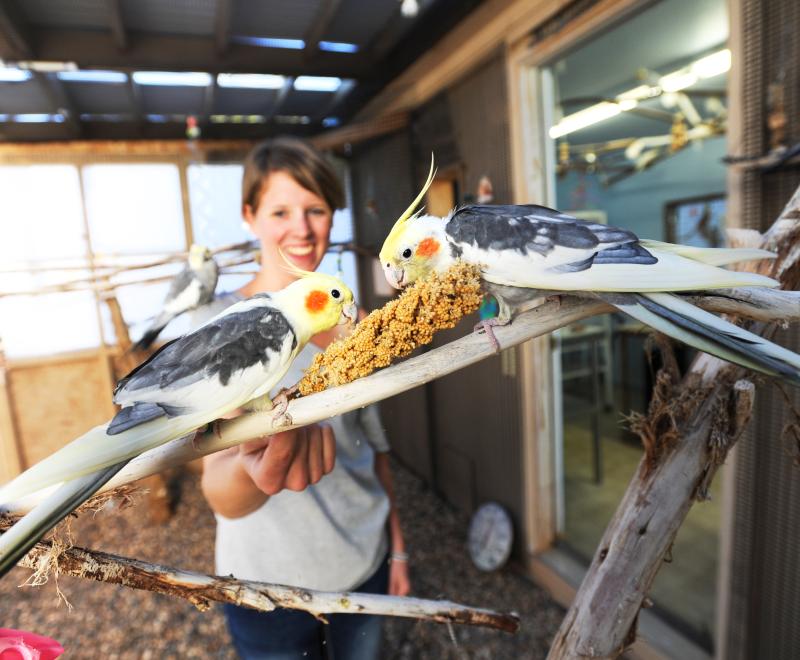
x=23, y=645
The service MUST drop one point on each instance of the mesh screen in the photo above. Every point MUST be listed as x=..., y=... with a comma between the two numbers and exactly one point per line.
x=765, y=577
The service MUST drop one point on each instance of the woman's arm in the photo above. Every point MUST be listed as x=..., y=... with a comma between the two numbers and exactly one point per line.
x=239, y=480
x=399, y=582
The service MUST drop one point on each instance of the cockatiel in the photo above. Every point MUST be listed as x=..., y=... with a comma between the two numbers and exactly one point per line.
x=192, y=287
x=233, y=360
x=526, y=251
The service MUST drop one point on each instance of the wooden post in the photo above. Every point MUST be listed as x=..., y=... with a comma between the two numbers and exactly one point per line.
x=10, y=458
x=691, y=426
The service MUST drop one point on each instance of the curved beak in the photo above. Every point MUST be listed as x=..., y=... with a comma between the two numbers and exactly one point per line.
x=349, y=314
x=395, y=276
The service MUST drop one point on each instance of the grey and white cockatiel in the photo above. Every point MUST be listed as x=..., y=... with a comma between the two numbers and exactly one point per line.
x=233, y=360
x=192, y=287
x=525, y=251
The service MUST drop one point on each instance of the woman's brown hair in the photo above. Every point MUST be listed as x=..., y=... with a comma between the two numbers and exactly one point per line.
x=300, y=161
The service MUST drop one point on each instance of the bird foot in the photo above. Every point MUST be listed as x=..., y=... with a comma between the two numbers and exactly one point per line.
x=281, y=403
x=486, y=325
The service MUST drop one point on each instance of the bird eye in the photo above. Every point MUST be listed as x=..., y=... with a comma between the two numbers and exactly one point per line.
x=406, y=253
x=335, y=293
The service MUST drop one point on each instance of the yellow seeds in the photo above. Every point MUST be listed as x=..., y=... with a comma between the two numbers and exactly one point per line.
x=433, y=303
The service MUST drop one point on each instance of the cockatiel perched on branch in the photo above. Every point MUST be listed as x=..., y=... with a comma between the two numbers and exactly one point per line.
x=192, y=287
x=233, y=360
x=526, y=251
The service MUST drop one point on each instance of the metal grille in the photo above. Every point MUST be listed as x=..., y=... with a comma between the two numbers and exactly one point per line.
x=765, y=577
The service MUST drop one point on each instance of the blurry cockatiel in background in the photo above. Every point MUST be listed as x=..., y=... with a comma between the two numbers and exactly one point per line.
x=231, y=361
x=192, y=287
x=527, y=251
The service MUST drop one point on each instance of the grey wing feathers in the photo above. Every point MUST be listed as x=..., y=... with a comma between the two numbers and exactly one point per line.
x=528, y=227
x=227, y=344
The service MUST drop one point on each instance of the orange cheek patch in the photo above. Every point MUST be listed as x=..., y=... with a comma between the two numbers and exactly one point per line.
x=427, y=247
x=316, y=301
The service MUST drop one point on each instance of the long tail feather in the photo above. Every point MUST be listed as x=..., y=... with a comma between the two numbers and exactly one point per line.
x=710, y=256
x=151, y=334
x=22, y=536
x=681, y=320
x=96, y=450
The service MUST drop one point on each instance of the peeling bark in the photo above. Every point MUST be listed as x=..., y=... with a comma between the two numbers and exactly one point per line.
x=201, y=589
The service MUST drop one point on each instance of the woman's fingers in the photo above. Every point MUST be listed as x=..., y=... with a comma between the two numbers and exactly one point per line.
x=297, y=476
x=315, y=458
x=328, y=448
x=290, y=459
x=399, y=582
x=256, y=445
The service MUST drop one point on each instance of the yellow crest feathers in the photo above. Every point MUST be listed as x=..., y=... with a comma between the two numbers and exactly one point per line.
x=410, y=213
x=292, y=268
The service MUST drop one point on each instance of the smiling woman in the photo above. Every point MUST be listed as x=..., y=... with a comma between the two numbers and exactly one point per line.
x=330, y=534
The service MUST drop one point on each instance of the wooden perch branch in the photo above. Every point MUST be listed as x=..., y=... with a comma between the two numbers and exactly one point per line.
x=412, y=373
x=708, y=412
x=200, y=588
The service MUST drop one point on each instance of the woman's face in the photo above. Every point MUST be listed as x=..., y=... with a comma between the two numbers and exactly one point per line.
x=292, y=219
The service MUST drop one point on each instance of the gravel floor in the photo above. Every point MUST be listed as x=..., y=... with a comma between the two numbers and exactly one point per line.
x=110, y=622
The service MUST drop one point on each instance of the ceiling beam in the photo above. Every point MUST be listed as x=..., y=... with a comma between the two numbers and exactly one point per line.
x=16, y=32
x=135, y=99
x=280, y=97
x=327, y=10
x=222, y=26
x=116, y=24
x=190, y=53
x=360, y=131
x=208, y=102
x=54, y=90
x=338, y=97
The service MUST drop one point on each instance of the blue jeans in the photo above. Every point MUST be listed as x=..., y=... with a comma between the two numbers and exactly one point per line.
x=294, y=635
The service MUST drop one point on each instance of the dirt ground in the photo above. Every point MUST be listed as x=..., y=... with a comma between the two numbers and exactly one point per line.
x=109, y=622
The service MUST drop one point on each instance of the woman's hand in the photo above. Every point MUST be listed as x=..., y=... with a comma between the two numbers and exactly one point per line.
x=289, y=460
x=399, y=582
x=239, y=480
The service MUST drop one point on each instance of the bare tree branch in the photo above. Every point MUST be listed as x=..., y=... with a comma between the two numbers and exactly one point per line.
x=200, y=589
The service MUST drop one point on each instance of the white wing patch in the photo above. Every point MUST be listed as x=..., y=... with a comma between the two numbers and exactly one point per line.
x=186, y=299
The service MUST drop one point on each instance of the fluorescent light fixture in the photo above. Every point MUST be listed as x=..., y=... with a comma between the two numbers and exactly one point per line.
x=338, y=47
x=583, y=118
x=172, y=78
x=38, y=118
x=269, y=42
x=638, y=93
x=706, y=67
x=238, y=119
x=93, y=76
x=250, y=80
x=14, y=75
x=5, y=117
x=330, y=122
x=317, y=83
x=94, y=116
x=712, y=65
x=157, y=119
x=293, y=119
x=47, y=66
x=676, y=81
